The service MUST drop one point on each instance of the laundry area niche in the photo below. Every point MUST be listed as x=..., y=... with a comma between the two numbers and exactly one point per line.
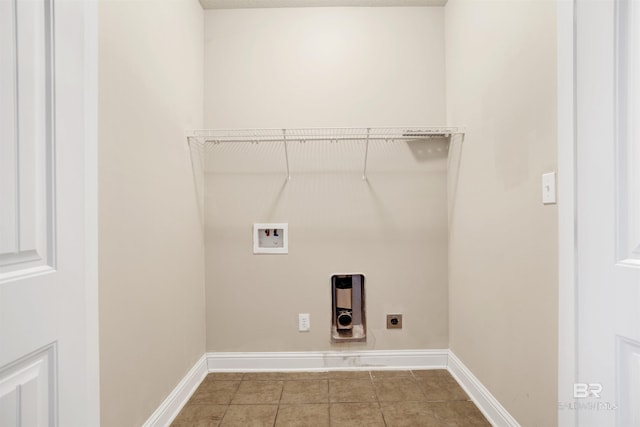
x=333, y=124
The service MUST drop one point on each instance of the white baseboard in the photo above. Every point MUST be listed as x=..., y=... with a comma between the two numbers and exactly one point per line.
x=497, y=415
x=325, y=360
x=331, y=360
x=171, y=406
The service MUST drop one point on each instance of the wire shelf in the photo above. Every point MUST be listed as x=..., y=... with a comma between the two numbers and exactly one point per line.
x=204, y=139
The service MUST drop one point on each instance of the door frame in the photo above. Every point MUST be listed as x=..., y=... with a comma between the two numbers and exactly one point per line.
x=91, y=49
x=567, y=193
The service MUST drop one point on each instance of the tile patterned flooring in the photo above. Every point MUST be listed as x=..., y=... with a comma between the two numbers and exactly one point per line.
x=336, y=398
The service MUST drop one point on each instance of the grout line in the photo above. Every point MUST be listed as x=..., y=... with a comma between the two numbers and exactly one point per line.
x=224, y=414
x=375, y=391
x=281, y=393
x=230, y=400
x=329, y=395
x=275, y=419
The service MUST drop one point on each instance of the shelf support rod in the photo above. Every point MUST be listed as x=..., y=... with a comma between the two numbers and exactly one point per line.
x=366, y=154
x=286, y=152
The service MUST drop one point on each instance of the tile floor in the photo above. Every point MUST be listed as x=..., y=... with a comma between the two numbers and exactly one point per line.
x=337, y=398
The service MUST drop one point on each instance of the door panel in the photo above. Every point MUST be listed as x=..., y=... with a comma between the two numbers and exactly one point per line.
x=27, y=160
x=629, y=382
x=28, y=390
x=628, y=115
x=608, y=212
x=48, y=231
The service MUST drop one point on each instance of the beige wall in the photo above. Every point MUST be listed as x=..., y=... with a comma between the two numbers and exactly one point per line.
x=501, y=84
x=152, y=321
x=325, y=67
x=306, y=67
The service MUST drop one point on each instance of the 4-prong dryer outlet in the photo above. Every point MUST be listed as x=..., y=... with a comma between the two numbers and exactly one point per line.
x=394, y=321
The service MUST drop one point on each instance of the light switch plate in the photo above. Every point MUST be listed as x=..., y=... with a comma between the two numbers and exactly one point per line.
x=549, y=188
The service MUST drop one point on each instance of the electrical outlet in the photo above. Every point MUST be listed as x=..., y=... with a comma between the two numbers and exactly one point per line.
x=304, y=322
x=394, y=321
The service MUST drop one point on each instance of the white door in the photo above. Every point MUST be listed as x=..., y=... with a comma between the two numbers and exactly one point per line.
x=607, y=392
x=48, y=286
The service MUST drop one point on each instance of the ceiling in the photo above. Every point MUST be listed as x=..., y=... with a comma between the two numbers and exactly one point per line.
x=248, y=4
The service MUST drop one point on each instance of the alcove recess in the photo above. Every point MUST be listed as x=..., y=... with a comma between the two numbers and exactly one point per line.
x=293, y=176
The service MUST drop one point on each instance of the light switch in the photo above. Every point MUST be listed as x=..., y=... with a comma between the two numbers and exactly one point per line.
x=549, y=188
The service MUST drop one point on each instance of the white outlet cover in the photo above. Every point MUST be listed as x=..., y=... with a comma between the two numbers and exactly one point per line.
x=304, y=322
x=549, y=188
x=270, y=238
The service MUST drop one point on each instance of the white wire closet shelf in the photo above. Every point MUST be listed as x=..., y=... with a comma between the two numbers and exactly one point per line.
x=207, y=138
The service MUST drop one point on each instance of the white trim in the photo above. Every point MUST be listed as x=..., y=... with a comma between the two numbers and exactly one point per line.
x=490, y=407
x=90, y=122
x=171, y=406
x=251, y=4
x=368, y=360
x=567, y=352
x=327, y=360
x=27, y=273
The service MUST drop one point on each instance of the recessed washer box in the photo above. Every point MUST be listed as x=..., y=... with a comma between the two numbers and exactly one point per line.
x=270, y=238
